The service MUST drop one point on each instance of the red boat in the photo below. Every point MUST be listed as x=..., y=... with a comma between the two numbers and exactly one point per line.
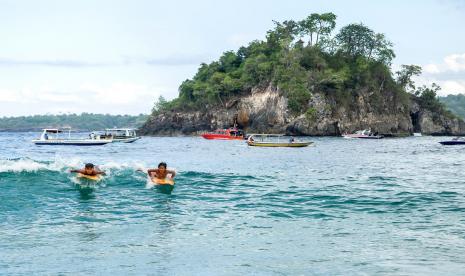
x=225, y=134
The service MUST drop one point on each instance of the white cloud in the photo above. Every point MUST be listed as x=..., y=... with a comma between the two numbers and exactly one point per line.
x=453, y=87
x=455, y=62
x=451, y=63
x=8, y=96
x=447, y=86
x=431, y=69
x=449, y=74
x=115, y=98
x=117, y=93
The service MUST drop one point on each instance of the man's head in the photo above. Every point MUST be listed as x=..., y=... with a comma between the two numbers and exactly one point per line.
x=162, y=166
x=89, y=167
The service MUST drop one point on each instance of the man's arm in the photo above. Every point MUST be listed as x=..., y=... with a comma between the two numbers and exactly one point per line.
x=100, y=172
x=152, y=171
x=75, y=171
x=173, y=173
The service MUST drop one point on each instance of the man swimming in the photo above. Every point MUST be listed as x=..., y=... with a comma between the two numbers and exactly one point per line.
x=89, y=169
x=161, y=172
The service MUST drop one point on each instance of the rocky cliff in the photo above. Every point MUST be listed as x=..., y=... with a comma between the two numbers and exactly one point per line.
x=265, y=110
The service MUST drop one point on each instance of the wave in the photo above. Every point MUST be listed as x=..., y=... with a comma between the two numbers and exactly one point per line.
x=25, y=165
x=21, y=165
x=238, y=192
x=121, y=173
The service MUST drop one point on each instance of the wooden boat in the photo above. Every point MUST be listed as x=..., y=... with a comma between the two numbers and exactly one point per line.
x=225, y=134
x=276, y=140
x=54, y=137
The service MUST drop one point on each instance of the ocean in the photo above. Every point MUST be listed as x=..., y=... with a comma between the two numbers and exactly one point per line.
x=394, y=206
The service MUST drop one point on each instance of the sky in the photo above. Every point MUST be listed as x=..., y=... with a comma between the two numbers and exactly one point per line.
x=119, y=56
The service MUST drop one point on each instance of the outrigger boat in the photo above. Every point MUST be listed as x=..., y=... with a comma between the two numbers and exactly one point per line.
x=275, y=140
x=232, y=133
x=123, y=135
x=363, y=134
x=454, y=141
x=52, y=136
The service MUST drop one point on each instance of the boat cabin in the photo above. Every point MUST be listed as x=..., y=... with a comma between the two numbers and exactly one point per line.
x=54, y=133
x=230, y=132
x=119, y=133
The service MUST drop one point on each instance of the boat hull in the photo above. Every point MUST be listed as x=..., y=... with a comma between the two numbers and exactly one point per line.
x=210, y=136
x=71, y=142
x=276, y=145
x=125, y=140
x=350, y=136
x=452, y=143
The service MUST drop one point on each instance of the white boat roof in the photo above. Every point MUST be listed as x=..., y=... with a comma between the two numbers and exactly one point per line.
x=119, y=129
x=56, y=130
x=51, y=129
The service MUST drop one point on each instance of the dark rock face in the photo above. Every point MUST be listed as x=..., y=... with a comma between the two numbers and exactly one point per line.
x=265, y=111
x=431, y=123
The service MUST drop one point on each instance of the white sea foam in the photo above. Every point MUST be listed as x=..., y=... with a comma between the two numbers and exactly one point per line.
x=149, y=184
x=61, y=164
x=23, y=165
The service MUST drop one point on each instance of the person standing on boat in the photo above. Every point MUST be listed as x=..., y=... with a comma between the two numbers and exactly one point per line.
x=161, y=172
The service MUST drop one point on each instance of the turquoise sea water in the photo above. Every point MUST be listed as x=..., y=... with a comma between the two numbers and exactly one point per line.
x=342, y=207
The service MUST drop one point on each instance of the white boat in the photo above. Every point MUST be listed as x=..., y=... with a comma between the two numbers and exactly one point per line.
x=54, y=136
x=363, y=134
x=417, y=134
x=123, y=135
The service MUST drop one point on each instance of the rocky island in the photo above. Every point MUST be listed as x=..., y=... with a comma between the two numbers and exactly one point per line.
x=305, y=80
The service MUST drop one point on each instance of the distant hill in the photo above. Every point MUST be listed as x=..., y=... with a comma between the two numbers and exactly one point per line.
x=455, y=103
x=83, y=122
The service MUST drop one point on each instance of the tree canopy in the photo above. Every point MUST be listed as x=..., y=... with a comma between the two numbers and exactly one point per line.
x=405, y=75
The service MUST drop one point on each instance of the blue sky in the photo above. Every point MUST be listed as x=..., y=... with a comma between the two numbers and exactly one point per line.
x=118, y=56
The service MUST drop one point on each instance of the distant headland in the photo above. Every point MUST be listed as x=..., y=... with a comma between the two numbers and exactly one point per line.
x=78, y=122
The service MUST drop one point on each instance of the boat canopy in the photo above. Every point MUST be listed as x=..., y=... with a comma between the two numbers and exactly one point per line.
x=120, y=129
x=57, y=130
x=266, y=135
x=127, y=132
x=52, y=130
x=270, y=137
